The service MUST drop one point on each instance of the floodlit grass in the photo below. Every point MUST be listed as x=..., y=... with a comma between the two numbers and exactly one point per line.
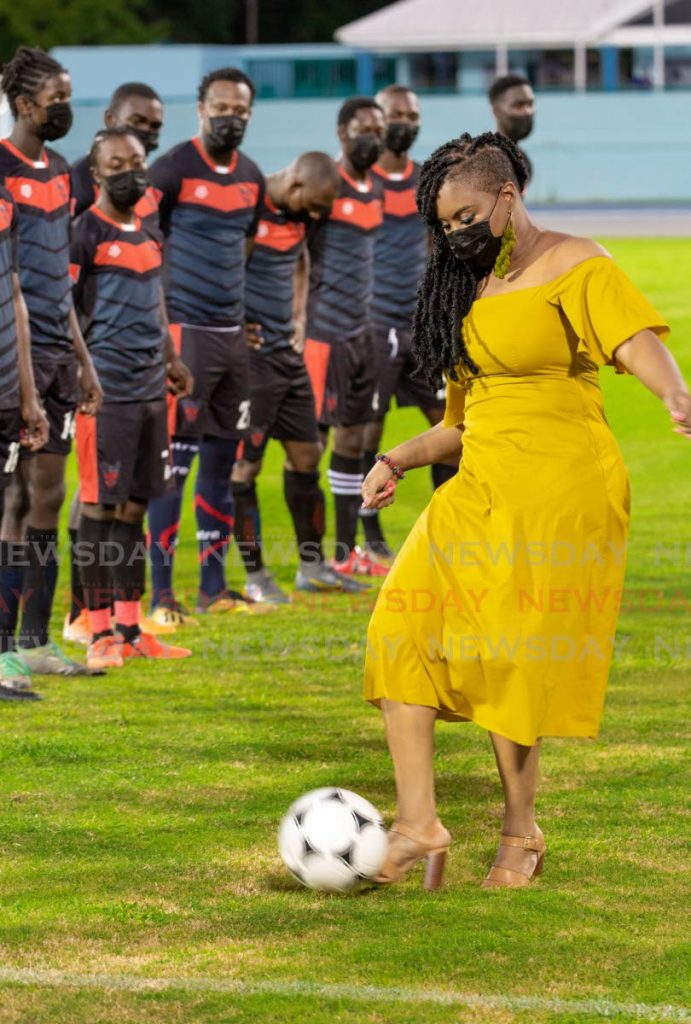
x=139, y=811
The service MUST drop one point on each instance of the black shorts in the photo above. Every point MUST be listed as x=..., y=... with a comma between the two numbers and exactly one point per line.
x=123, y=452
x=57, y=384
x=344, y=379
x=10, y=425
x=396, y=366
x=282, y=401
x=219, y=406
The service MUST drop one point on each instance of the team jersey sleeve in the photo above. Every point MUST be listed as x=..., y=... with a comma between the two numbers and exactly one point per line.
x=261, y=182
x=82, y=189
x=80, y=261
x=14, y=234
x=165, y=179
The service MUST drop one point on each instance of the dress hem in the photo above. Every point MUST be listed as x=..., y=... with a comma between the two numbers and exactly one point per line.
x=451, y=716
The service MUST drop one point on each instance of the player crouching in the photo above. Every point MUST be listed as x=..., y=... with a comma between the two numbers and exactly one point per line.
x=123, y=452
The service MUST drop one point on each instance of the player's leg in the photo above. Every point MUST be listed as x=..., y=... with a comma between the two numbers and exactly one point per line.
x=15, y=678
x=148, y=472
x=15, y=511
x=390, y=359
x=94, y=560
x=76, y=627
x=164, y=511
x=47, y=494
x=354, y=371
x=518, y=771
x=226, y=420
x=214, y=512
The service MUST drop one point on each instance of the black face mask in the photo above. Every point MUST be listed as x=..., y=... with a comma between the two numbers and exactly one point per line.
x=225, y=133
x=476, y=245
x=125, y=188
x=366, y=150
x=58, y=122
x=400, y=135
x=519, y=126
x=148, y=138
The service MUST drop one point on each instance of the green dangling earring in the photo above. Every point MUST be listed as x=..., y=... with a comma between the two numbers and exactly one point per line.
x=508, y=244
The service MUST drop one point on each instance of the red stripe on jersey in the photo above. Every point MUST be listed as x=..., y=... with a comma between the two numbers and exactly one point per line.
x=279, y=236
x=75, y=271
x=87, y=458
x=141, y=258
x=148, y=204
x=316, y=356
x=5, y=215
x=171, y=401
x=42, y=195
x=353, y=211
x=400, y=204
x=226, y=198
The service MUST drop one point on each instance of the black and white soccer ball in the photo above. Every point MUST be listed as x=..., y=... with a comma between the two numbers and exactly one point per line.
x=332, y=840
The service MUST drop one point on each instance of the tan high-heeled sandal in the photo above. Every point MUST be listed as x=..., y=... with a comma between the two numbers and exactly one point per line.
x=511, y=878
x=407, y=848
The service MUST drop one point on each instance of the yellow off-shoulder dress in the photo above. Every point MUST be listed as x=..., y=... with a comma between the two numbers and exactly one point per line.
x=501, y=607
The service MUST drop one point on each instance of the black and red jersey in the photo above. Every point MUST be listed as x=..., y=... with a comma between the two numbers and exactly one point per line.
x=9, y=380
x=341, y=248
x=41, y=192
x=271, y=273
x=85, y=192
x=207, y=214
x=400, y=251
x=116, y=271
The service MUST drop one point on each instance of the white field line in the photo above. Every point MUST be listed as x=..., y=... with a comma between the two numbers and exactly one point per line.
x=604, y=1008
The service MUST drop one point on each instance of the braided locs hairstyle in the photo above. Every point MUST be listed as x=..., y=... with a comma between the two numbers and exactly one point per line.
x=25, y=73
x=448, y=288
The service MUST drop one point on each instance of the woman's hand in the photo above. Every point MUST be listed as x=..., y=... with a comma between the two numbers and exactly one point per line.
x=679, y=406
x=378, y=487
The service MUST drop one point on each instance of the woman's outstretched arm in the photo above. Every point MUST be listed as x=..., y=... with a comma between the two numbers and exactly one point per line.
x=438, y=444
x=647, y=358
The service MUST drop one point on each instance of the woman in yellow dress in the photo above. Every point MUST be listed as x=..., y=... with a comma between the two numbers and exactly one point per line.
x=501, y=607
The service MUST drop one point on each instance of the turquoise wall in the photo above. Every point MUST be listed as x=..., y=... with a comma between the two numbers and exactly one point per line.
x=593, y=147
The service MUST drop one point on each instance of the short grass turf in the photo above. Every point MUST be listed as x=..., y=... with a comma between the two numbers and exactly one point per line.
x=139, y=811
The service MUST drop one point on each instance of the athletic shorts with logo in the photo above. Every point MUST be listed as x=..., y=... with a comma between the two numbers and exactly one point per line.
x=282, y=401
x=57, y=385
x=10, y=424
x=396, y=367
x=344, y=376
x=123, y=452
x=219, y=406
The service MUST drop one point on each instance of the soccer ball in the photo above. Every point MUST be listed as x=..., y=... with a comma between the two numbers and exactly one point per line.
x=332, y=840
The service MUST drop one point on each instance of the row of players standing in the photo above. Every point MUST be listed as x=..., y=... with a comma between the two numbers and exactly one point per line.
x=354, y=222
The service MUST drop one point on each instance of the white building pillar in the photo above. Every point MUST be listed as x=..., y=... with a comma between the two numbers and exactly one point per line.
x=658, y=48
x=502, y=60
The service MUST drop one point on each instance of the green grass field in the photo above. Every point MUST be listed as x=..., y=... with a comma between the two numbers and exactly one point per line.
x=139, y=811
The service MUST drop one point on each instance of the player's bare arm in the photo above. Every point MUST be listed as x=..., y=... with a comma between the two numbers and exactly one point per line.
x=92, y=393
x=33, y=415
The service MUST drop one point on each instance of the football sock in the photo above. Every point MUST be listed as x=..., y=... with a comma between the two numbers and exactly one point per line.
x=345, y=481
x=77, y=604
x=129, y=576
x=38, y=586
x=213, y=507
x=441, y=473
x=246, y=528
x=369, y=517
x=305, y=500
x=164, y=523
x=96, y=579
x=13, y=557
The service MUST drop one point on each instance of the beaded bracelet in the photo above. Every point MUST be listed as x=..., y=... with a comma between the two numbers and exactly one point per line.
x=396, y=470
